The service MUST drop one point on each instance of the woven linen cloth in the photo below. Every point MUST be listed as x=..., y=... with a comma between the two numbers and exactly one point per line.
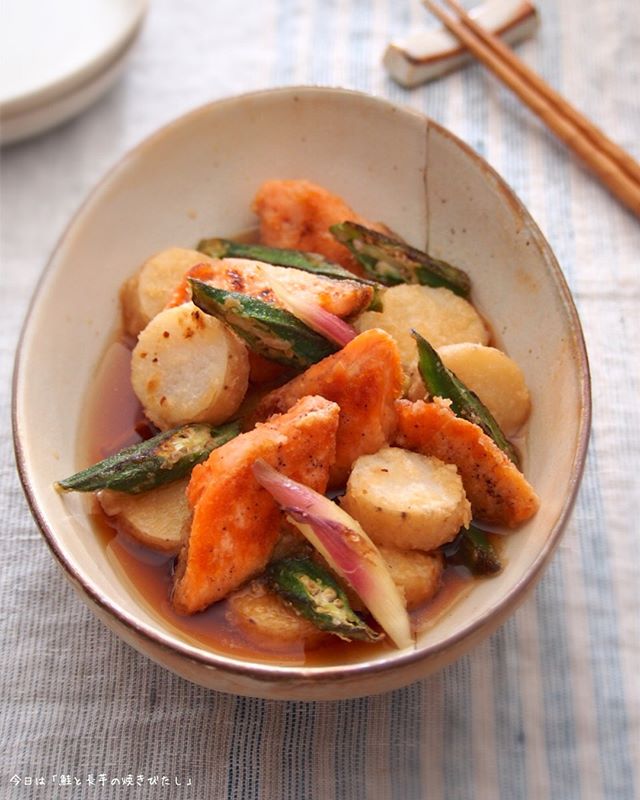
x=549, y=706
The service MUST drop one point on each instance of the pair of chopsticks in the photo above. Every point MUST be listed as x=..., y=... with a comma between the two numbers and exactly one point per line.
x=614, y=166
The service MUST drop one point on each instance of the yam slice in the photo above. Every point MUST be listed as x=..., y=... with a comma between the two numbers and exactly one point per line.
x=147, y=292
x=406, y=500
x=159, y=518
x=267, y=620
x=418, y=575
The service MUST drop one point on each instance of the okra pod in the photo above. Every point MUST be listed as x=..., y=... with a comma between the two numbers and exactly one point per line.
x=472, y=549
x=268, y=330
x=442, y=382
x=316, y=595
x=163, y=458
x=279, y=257
x=393, y=262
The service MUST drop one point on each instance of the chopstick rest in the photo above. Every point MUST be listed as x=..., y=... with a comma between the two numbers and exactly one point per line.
x=427, y=54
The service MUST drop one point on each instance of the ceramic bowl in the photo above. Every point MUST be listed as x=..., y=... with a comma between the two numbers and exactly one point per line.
x=197, y=176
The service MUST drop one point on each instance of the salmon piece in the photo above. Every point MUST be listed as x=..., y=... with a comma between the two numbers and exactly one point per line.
x=235, y=521
x=263, y=370
x=296, y=214
x=342, y=298
x=364, y=379
x=498, y=492
x=182, y=292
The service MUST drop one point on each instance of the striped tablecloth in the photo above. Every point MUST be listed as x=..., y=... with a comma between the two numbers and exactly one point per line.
x=549, y=706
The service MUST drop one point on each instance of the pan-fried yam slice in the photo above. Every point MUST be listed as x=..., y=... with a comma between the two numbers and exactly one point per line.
x=235, y=521
x=188, y=367
x=406, y=500
x=498, y=492
x=158, y=518
x=147, y=292
x=297, y=214
x=364, y=379
x=494, y=377
x=268, y=621
x=342, y=298
x=418, y=575
x=441, y=316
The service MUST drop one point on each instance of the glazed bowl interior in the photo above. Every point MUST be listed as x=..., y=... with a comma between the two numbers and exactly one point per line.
x=196, y=178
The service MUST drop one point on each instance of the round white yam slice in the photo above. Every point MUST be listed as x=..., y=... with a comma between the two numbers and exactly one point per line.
x=495, y=378
x=418, y=575
x=438, y=314
x=146, y=293
x=158, y=518
x=188, y=367
x=268, y=621
x=406, y=500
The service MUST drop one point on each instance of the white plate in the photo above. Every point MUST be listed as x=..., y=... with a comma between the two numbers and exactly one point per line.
x=59, y=57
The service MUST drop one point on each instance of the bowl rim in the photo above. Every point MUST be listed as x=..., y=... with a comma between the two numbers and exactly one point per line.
x=278, y=673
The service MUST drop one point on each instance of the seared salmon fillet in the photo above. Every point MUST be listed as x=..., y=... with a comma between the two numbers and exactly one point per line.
x=235, y=521
x=296, y=214
x=364, y=379
x=497, y=490
x=342, y=298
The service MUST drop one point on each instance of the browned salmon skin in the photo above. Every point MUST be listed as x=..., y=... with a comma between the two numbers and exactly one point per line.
x=235, y=521
x=365, y=380
x=498, y=492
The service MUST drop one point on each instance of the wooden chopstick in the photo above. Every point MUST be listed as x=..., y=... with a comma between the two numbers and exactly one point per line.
x=563, y=106
x=615, y=167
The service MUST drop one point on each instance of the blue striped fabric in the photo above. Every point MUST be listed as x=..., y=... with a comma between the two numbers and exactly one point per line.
x=549, y=706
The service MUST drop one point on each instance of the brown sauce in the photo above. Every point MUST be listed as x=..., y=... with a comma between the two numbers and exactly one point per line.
x=112, y=417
